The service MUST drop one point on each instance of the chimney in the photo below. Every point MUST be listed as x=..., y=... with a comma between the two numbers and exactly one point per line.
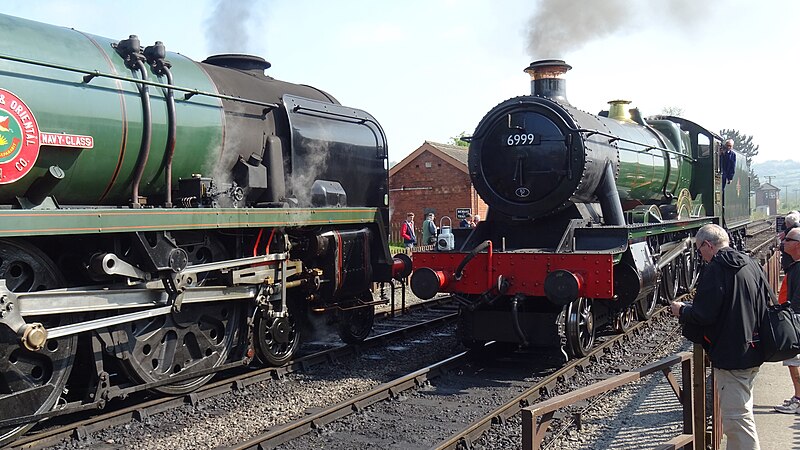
x=239, y=61
x=546, y=79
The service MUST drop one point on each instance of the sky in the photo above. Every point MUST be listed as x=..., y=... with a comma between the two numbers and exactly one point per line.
x=431, y=69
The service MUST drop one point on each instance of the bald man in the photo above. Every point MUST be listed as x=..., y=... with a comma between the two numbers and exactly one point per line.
x=791, y=245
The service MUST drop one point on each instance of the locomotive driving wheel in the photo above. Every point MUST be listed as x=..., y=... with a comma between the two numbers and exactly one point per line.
x=646, y=306
x=688, y=270
x=670, y=283
x=198, y=337
x=30, y=382
x=580, y=326
x=624, y=319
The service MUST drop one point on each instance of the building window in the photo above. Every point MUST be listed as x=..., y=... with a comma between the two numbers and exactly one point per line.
x=428, y=165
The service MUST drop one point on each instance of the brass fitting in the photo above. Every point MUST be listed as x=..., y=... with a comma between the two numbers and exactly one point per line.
x=34, y=336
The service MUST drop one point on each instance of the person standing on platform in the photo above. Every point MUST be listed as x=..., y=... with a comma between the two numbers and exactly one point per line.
x=467, y=222
x=791, y=245
x=792, y=220
x=730, y=301
x=407, y=232
x=429, y=229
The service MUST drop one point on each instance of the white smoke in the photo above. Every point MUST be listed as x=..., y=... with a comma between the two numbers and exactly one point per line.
x=230, y=26
x=303, y=177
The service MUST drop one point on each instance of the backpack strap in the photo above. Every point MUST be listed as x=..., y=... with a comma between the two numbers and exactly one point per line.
x=772, y=296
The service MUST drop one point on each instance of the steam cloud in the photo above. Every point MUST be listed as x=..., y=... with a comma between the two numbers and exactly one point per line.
x=229, y=26
x=314, y=164
x=562, y=26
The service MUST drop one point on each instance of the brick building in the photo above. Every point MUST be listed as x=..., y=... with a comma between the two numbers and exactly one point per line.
x=769, y=196
x=434, y=178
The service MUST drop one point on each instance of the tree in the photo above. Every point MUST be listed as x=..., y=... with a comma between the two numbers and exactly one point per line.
x=457, y=140
x=743, y=143
x=672, y=111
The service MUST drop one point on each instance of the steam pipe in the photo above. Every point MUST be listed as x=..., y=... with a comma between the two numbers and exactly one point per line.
x=515, y=318
x=608, y=196
x=460, y=269
x=156, y=57
x=171, y=132
x=147, y=128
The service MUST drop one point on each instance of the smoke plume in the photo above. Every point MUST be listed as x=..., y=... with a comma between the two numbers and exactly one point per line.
x=229, y=26
x=314, y=161
x=562, y=26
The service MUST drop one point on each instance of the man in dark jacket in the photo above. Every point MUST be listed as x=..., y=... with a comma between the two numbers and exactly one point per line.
x=791, y=245
x=730, y=302
x=727, y=162
x=792, y=220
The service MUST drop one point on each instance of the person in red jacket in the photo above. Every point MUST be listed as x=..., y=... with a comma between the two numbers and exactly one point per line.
x=407, y=232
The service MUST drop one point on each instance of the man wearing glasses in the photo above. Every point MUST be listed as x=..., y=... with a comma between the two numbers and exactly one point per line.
x=792, y=248
x=792, y=220
x=731, y=298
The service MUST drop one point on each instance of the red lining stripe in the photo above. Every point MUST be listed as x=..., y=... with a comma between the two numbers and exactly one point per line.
x=124, y=111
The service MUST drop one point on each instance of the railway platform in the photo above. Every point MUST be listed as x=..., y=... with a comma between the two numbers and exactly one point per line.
x=658, y=415
x=776, y=431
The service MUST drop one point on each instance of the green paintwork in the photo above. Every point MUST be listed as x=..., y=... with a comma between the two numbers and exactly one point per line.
x=737, y=195
x=646, y=175
x=643, y=231
x=108, y=110
x=121, y=220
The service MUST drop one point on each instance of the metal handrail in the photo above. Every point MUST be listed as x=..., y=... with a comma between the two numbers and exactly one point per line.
x=533, y=433
x=613, y=138
x=90, y=74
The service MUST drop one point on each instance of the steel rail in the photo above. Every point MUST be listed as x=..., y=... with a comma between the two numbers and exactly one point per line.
x=474, y=431
x=238, y=383
x=297, y=428
x=413, y=380
x=567, y=422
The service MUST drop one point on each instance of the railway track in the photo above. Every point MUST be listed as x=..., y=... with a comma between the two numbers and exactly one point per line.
x=572, y=417
x=452, y=402
x=760, y=234
x=80, y=424
x=559, y=382
x=761, y=238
